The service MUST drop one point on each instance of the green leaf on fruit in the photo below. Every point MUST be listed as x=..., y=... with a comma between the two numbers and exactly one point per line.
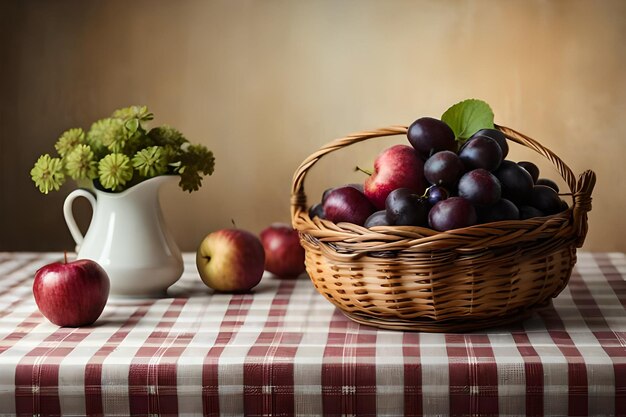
x=468, y=117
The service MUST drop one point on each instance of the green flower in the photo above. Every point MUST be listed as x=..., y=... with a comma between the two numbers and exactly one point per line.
x=114, y=171
x=167, y=136
x=80, y=163
x=119, y=151
x=193, y=160
x=108, y=132
x=132, y=117
x=199, y=158
x=150, y=162
x=140, y=113
x=48, y=173
x=69, y=140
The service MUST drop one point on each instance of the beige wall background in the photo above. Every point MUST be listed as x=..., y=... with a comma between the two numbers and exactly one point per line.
x=265, y=83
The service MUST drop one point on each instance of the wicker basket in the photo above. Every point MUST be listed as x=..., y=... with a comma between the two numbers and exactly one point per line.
x=413, y=278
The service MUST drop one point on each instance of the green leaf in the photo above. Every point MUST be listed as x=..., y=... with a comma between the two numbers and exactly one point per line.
x=195, y=159
x=468, y=117
x=132, y=125
x=190, y=181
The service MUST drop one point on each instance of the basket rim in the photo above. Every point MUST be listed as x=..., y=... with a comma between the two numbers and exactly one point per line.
x=319, y=228
x=571, y=223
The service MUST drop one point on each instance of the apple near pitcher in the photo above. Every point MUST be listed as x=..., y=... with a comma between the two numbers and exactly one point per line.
x=230, y=260
x=71, y=294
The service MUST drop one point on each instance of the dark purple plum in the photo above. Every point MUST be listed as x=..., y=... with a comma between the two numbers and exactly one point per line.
x=497, y=136
x=317, y=211
x=503, y=209
x=378, y=218
x=532, y=169
x=347, y=204
x=452, y=213
x=481, y=152
x=444, y=168
x=529, y=212
x=545, y=199
x=480, y=187
x=517, y=183
x=404, y=208
x=564, y=205
x=435, y=194
x=429, y=136
x=548, y=183
x=328, y=190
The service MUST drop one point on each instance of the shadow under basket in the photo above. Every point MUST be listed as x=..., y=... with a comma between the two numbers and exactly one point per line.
x=418, y=279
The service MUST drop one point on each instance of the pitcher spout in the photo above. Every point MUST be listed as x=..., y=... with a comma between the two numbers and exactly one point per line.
x=149, y=186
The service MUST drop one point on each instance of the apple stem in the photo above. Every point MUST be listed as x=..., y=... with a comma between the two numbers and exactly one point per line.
x=65, y=256
x=233, y=222
x=363, y=170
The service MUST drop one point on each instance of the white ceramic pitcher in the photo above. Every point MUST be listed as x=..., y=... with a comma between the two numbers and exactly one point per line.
x=128, y=237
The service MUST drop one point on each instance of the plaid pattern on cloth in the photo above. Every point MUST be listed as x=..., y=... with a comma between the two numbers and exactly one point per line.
x=284, y=350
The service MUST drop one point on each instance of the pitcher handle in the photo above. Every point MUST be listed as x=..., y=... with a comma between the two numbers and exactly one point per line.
x=69, y=215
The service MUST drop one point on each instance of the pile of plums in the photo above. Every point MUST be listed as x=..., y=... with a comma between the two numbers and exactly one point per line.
x=436, y=184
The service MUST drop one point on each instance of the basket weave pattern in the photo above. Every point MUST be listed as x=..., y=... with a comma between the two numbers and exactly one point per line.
x=414, y=278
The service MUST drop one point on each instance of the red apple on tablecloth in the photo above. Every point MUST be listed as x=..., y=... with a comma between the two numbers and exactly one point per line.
x=284, y=257
x=71, y=294
x=231, y=260
x=396, y=167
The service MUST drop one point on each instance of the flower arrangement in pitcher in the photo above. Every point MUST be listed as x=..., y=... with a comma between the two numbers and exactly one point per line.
x=119, y=151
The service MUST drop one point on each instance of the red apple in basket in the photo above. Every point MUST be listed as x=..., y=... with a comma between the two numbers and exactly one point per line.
x=396, y=167
x=284, y=257
x=71, y=294
x=231, y=260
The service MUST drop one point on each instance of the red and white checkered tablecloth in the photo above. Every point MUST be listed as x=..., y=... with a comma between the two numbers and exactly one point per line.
x=284, y=350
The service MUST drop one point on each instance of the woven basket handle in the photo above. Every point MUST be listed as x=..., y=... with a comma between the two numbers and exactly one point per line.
x=298, y=197
x=581, y=190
